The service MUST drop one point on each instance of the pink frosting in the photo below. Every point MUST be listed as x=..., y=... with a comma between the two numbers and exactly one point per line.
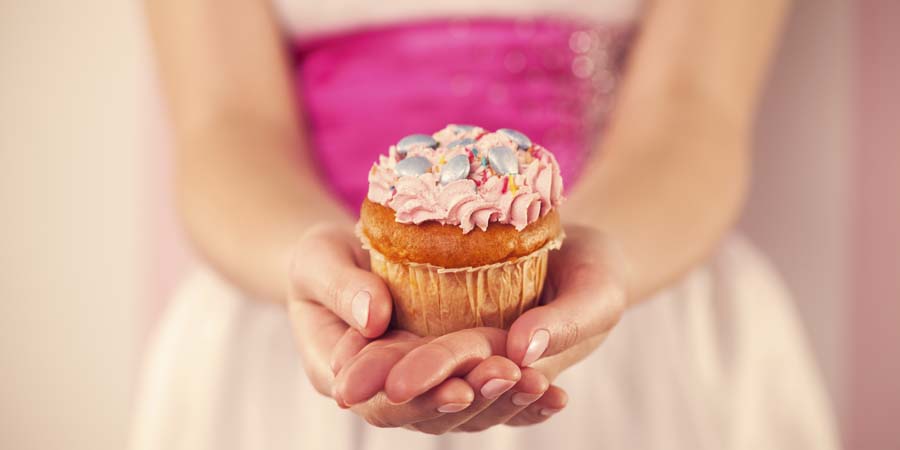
x=482, y=198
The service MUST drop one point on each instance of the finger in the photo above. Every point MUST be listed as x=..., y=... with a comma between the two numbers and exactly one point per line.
x=490, y=380
x=588, y=301
x=352, y=343
x=529, y=389
x=365, y=376
x=349, y=345
x=316, y=331
x=552, y=402
x=451, y=396
x=453, y=354
x=324, y=270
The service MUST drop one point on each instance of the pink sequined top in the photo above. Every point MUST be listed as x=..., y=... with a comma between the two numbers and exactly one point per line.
x=362, y=90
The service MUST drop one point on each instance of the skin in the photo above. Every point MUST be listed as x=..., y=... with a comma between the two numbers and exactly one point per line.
x=670, y=183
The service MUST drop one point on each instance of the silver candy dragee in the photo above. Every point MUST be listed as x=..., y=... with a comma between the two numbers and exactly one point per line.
x=522, y=141
x=415, y=140
x=461, y=142
x=465, y=128
x=455, y=169
x=414, y=165
x=503, y=160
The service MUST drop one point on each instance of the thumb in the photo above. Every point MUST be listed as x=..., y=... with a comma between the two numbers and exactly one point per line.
x=324, y=271
x=586, y=303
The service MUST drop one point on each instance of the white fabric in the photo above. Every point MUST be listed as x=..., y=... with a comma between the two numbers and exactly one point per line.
x=716, y=362
x=304, y=18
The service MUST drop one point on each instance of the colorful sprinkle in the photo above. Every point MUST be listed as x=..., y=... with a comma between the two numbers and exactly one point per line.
x=512, y=184
x=505, y=185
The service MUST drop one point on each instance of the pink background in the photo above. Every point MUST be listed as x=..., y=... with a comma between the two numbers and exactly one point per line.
x=873, y=419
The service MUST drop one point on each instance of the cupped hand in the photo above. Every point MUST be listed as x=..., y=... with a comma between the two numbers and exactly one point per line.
x=470, y=385
x=584, y=298
x=330, y=287
x=402, y=367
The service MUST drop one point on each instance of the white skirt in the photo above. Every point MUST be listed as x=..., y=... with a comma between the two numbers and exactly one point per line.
x=718, y=361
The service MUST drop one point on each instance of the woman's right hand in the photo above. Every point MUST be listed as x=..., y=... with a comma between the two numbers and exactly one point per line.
x=331, y=287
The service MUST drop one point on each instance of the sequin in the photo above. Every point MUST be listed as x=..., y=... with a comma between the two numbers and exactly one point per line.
x=580, y=42
x=515, y=62
x=582, y=66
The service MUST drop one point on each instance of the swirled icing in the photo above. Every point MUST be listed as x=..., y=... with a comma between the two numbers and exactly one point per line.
x=481, y=198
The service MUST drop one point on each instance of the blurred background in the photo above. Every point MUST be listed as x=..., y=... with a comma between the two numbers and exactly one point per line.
x=89, y=248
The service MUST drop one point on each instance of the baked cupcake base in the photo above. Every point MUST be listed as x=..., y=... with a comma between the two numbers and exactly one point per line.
x=446, y=245
x=431, y=300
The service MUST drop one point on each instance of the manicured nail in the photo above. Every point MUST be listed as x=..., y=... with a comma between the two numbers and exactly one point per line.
x=494, y=388
x=453, y=407
x=538, y=345
x=523, y=399
x=549, y=411
x=359, y=306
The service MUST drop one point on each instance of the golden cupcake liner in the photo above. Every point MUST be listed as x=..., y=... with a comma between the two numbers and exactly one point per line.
x=431, y=300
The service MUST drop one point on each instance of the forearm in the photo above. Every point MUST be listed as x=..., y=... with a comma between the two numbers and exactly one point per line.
x=674, y=168
x=667, y=192
x=246, y=186
x=246, y=193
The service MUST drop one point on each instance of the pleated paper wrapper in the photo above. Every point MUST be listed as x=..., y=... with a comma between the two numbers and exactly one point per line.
x=431, y=300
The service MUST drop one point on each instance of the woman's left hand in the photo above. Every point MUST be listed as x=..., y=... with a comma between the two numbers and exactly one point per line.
x=584, y=298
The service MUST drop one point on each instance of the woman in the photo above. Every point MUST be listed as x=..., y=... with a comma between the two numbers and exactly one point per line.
x=278, y=112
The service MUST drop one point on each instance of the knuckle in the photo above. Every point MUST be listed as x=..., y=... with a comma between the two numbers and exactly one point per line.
x=334, y=291
x=447, y=350
x=375, y=421
x=382, y=414
x=569, y=333
x=377, y=418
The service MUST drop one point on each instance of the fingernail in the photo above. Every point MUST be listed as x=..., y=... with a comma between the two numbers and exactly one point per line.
x=538, y=345
x=453, y=407
x=523, y=399
x=359, y=306
x=494, y=388
x=549, y=411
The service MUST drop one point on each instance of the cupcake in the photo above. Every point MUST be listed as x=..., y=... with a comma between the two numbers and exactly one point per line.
x=459, y=225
